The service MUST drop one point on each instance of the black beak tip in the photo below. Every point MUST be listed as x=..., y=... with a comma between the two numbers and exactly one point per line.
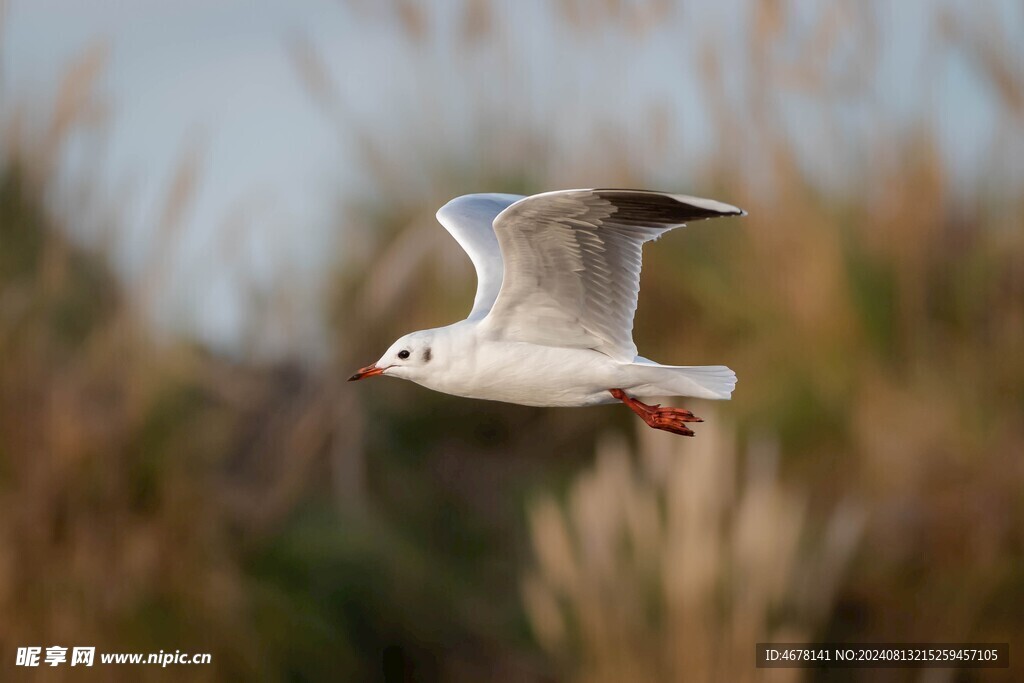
x=354, y=377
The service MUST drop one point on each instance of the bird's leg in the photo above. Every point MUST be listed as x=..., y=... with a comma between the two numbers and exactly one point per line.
x=670, y=419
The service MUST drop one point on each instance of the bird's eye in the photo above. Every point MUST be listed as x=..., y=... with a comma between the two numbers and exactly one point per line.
x=403, y=354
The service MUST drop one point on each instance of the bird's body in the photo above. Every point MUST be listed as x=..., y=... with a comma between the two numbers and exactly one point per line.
x=551, y=325
x=518, y=372
x=553, y=376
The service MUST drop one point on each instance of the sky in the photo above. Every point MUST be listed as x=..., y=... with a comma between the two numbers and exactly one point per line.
x=217, y=78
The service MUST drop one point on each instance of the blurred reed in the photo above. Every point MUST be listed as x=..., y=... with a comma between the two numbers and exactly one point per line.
x=132, y=473
x=153, y=493
x=669, y=565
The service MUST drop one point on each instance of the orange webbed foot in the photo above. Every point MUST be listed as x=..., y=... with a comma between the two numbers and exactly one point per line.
x=668, y=419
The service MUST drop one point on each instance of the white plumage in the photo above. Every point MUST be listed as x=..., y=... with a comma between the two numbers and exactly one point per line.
x=558, y=276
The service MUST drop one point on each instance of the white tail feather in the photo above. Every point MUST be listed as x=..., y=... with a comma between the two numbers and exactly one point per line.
x=699, y=381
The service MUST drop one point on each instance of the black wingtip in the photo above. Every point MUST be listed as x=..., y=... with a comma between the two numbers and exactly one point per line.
x=665, y=207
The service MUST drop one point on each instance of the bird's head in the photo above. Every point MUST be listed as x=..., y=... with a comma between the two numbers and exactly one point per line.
x=406, y=358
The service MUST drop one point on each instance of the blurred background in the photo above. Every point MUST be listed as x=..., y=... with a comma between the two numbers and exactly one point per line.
x=212, y=213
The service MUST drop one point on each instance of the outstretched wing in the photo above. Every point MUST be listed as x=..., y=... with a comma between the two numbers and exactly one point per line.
x=572, y=264
x=469, y=219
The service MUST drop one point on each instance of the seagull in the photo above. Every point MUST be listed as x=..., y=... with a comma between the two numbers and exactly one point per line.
x=558, y=276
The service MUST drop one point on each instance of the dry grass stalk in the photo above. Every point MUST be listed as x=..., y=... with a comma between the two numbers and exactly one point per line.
x=669, y=568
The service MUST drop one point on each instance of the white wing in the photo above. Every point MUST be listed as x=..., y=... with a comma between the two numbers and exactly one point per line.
x=469, y=219
x=572, y=264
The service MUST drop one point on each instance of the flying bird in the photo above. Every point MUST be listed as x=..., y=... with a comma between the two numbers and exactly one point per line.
x=558, y=275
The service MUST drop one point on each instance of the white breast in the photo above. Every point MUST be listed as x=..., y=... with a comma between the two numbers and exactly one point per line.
x=528, y=374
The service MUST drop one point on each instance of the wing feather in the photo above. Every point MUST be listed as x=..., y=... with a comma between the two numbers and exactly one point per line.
x=470, y=219
x=572, y=263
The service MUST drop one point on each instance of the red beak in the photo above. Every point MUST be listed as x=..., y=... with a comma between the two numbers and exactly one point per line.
x=368, y=371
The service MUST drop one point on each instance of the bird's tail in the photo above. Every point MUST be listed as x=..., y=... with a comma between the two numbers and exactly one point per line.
x=700, y=381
